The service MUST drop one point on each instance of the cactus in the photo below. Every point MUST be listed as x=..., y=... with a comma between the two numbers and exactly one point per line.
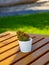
x=22, y=36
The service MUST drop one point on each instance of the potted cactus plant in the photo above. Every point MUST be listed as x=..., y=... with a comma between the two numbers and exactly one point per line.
x=25, y=42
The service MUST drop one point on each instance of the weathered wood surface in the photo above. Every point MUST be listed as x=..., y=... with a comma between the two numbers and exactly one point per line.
x=11, y=55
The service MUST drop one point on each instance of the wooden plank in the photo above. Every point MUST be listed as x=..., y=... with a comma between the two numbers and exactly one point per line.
x=39, y=35
x=6, y=37
x=8, y=41
x=4, y=34
x=8, y=46
x=9, y=59
x=37, y=39
x=36, y=35
x=6, y=62
x=8, y=53
x=46, y=63
x=34, y=48
x=10, y=36
x=41, y=60
x=32, y=56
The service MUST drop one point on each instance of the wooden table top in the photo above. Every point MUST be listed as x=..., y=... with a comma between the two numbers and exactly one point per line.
x=11, y=55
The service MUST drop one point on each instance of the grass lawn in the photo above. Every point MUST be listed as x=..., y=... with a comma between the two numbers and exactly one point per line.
x=33, y=23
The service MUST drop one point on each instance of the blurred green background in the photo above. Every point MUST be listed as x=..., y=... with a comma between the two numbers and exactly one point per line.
x=31, y=23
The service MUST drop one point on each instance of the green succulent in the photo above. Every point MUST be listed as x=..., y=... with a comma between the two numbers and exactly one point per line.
x=22, y=36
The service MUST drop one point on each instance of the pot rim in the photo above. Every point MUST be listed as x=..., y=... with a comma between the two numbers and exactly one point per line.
x=30, y=39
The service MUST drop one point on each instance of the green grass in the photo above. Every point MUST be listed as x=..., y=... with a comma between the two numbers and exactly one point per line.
x=33, y=23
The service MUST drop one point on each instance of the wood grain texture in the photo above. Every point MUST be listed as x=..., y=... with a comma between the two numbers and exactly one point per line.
x=42, y=60
x=4, y=34
x=11, y=55
x=32, y=56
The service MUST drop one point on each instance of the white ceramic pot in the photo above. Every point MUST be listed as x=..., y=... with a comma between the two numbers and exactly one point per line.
x=25, y=46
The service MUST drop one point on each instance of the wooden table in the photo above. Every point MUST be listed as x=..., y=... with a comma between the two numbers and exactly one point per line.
x=11, y=55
